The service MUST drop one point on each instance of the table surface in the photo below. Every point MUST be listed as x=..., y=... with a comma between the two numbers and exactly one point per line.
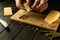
x=21, y=31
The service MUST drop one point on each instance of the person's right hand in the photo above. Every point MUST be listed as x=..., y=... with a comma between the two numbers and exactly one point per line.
x=19, y=4
x=38, y=5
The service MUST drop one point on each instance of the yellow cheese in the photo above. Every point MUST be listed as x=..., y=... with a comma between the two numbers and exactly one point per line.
x=7, y=11
x=27, y=7
x=59, y=14
x=52, y=16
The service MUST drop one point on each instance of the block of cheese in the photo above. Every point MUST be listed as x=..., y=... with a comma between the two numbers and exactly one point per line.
x=27, y=7
x=59, y=14
x=52, y=16
x=7, y=11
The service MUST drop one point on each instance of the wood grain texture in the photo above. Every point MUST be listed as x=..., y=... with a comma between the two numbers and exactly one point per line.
x=26, y=34
x=14, y=29
x=38, y=21
x=40, y=36
x=1, y=28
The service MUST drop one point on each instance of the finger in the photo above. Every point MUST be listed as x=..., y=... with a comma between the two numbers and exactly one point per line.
x=36, y=3
x=19, y=4
x=28, y=2
x=42, y=7
x=41, y=2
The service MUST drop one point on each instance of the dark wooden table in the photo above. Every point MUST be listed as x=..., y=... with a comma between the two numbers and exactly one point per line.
x=21, y=31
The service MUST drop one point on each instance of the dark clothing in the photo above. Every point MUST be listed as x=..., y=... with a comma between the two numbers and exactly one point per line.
x=52, y=5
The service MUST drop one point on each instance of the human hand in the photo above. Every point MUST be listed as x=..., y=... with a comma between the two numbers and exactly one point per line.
x=38, y=5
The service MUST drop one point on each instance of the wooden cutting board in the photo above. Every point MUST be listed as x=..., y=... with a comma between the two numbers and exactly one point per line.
x=36, y=19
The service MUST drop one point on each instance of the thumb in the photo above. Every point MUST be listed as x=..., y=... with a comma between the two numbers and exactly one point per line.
x=28, y=2
x=19, y=4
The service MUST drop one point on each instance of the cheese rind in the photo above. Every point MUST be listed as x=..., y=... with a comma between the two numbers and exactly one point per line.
x=27, y=7
x=52, y=16
x=59, y=14
x=7, y=11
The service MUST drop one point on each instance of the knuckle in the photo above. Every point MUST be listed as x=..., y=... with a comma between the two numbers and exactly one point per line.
x=42, y=8
x=17, y=6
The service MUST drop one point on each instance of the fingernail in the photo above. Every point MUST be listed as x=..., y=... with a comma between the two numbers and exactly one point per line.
x=32, y=6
